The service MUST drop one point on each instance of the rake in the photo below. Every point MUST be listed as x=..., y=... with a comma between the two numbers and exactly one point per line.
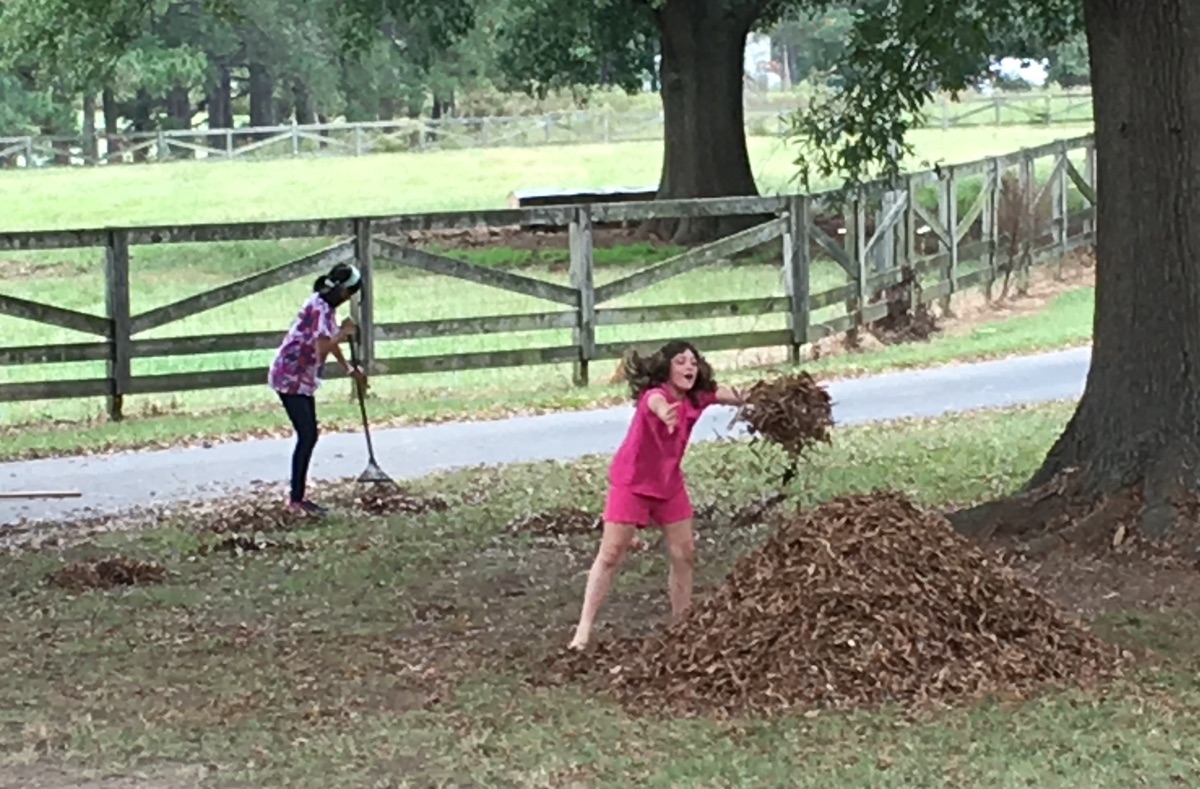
x=373, y=474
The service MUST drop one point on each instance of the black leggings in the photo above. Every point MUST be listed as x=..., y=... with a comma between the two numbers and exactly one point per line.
x=302, y=410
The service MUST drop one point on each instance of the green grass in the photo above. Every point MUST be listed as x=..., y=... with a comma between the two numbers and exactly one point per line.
x=393, y=652
x=200, y=192
x=195, y=192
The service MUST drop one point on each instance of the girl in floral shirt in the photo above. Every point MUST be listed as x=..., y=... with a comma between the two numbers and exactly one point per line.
x=296, y=371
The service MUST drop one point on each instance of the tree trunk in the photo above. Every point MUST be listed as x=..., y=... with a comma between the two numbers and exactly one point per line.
x=112, y=129
x=304, y=108
x=704, y=140
x=1136, y=428
x=220, y=103
x=91, y=145
x=262, y=97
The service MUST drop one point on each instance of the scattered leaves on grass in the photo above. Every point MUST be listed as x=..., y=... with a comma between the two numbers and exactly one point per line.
x=239, y=544
x=389, y=500
x=554, y=522
x=107, y=573
x=861, y=601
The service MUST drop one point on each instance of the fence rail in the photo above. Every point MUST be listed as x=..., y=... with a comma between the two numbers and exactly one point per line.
x=559, y=128
x=961, y=227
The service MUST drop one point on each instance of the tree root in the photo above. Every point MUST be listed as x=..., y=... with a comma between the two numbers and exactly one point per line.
x=1162, y=519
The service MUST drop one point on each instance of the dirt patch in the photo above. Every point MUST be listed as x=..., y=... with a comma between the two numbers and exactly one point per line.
x=860, y=601
x=107, y=573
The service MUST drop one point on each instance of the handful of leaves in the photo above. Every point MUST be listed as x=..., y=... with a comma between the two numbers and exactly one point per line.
x=792, y=411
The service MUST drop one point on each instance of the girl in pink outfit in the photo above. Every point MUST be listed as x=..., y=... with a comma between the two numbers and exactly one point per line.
x=646, y=484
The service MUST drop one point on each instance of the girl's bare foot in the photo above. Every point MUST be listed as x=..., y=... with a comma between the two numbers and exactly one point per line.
x=577, y=645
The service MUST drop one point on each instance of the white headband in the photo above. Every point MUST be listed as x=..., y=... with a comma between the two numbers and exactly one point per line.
x=349, y=283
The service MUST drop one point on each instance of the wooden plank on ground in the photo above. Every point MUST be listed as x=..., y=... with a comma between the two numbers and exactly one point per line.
x=458, y=269
x=320, y=260
x=692, y=259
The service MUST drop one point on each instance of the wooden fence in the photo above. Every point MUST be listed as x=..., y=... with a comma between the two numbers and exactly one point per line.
x=560, y=128
x=966, y=226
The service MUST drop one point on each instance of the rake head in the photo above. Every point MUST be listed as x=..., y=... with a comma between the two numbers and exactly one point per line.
x=376, y=476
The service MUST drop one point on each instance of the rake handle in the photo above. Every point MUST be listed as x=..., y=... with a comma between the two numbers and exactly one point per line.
x=362, y=403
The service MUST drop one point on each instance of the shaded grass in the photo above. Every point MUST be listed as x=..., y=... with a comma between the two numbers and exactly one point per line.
x=394, y=652
x=1066, y=322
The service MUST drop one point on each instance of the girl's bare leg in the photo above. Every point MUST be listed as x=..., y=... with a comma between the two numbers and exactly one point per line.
x=613, y=547
x=681, y=553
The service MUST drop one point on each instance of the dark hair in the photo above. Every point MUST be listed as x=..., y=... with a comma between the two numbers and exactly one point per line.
x=332, y=286
x=647, y=372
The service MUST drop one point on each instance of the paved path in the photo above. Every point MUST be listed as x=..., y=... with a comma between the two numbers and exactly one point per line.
x=115, y=482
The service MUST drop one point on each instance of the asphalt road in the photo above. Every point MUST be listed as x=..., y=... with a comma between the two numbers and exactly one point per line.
x=112, y=483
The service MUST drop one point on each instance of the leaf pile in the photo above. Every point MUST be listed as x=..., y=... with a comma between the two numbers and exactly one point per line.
x=792, y=411
x=107, y=574
x=554, y=522
x=861, y=601
x=388, y=500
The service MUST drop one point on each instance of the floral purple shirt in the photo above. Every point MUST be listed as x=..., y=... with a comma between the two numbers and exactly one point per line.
x=296, y=369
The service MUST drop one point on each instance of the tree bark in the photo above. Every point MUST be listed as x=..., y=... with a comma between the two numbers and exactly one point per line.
x=220, y=102
x=262, y=97
x=112, y=128
x=704, y=141
x=1137, y=425
x=91, y=145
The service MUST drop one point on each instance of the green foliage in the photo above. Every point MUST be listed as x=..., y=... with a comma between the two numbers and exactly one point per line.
x=898, y=53
x=1069, y=62
x=546, y=45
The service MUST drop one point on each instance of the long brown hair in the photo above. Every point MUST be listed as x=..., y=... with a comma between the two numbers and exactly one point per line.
x=647, y=372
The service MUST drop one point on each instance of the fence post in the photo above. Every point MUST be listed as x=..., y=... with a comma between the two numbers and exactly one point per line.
x=795, y=271
x=1031, y=222
x=1061, y=209
x=116, y=290
x=990, y=235
x=949, y=217
x=582, y=279
x=363, y=308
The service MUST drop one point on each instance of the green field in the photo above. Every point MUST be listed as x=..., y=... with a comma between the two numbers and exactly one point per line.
x=385, y=654
x=214, y=192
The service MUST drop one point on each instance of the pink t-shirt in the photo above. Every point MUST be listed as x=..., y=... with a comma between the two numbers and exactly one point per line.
x=296, y=369
x=648, y=460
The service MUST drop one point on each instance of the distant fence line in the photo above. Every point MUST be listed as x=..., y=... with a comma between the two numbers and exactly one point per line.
x=930, y=223
x=556, y=128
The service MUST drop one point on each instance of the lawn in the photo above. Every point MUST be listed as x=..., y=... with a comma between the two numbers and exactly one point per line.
x=394, y=651
x=209, y=192
x=196, y=192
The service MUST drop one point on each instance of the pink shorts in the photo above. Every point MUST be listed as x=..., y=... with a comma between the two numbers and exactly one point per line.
x=622, y=505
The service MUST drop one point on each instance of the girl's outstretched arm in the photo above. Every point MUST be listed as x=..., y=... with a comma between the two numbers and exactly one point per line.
x=727, y=395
